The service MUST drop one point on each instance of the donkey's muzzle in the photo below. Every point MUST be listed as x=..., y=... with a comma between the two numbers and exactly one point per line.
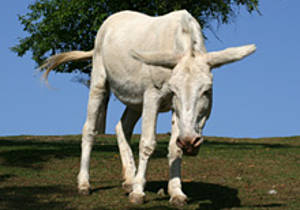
x=190, y=146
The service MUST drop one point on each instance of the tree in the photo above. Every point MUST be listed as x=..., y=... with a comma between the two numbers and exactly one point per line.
x=63, y=25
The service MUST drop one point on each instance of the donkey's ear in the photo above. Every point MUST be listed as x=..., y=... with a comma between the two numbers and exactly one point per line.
x=229, y=55
x=165, y=59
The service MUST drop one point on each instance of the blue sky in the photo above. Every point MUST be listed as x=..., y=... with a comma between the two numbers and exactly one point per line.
x=256, y=97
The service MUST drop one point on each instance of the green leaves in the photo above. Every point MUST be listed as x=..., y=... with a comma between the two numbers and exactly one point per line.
x=55, y=26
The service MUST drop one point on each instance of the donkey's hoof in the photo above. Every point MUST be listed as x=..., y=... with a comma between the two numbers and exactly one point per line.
x=137, y=199
x=178, y=200
x=127, y=187
x=84, y=191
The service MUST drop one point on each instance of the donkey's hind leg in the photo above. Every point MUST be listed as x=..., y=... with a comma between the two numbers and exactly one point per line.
x=101, y=120
x=124, y=130
x=98, y=97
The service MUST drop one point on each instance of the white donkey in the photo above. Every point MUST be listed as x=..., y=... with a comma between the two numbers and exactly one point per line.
x=152, y=65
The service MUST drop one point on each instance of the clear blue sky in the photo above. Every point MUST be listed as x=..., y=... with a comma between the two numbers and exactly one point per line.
x=256, y=97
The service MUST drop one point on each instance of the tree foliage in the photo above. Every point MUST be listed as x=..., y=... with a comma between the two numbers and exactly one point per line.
x=63, y=25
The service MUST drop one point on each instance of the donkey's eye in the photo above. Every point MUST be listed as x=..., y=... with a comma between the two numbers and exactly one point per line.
x=207, y=93
x=172, y=92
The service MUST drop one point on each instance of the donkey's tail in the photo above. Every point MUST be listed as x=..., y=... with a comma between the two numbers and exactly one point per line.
x=58, y=59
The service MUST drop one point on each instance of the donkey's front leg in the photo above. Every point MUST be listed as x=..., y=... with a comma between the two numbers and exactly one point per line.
x=147, y=143
x=178, y=198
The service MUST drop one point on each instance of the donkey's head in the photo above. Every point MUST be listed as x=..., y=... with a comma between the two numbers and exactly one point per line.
x=191, y=86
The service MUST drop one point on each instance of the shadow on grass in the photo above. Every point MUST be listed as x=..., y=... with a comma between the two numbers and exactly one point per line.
x=103, y=188
x=41, y=197
x=35, y=197
x=31, y=154
x=272, y=205
x=209, y=196
x=153, y=208
x=4, y=177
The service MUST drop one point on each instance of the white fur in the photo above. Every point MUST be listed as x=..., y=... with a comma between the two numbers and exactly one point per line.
x=174, y=156
x=152, y=65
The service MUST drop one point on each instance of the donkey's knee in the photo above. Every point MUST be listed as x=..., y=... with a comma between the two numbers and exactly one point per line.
x=89, y=131
x=147, y=147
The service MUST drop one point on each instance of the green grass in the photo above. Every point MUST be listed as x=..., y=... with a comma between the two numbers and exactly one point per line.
x=39, y=172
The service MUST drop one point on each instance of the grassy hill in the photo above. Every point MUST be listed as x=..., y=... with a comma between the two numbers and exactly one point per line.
x=39, y=172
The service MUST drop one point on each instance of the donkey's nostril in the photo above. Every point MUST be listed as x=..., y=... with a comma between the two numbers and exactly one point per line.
x=194, y=141
x=197, y=141
x=180, y=143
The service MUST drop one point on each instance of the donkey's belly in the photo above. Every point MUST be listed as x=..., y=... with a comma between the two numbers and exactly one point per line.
x=130, y=92
x=133, y=98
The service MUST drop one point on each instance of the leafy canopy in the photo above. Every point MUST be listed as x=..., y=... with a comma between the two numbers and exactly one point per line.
x=55, y=26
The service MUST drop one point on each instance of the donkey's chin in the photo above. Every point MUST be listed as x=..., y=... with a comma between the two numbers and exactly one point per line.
x=190, y=151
